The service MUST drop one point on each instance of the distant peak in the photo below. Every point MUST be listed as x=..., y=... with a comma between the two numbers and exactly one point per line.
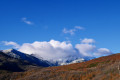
x=13, y=49
x=9, y=50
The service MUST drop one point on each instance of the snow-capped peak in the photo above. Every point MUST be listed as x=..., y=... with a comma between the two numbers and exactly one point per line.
x=10, y=52
x=19, y=55
x=39, y=60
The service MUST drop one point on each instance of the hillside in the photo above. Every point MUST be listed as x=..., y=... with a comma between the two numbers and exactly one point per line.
x=19, y=55
x=9, y=65
x=103, y=68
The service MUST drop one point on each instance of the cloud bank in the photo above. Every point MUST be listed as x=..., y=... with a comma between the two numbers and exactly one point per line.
x=60, y=50
x=49, y=50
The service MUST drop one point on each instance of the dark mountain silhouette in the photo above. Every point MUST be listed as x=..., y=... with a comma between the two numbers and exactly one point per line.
x=19, y=55
x=9, y=63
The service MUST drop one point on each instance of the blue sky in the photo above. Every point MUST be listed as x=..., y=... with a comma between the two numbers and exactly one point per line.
x=26, y=21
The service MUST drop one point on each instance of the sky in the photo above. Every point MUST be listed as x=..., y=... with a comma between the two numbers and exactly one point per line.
x=97, y=22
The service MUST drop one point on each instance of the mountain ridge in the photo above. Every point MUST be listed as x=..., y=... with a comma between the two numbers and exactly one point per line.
x=103, y=68
x=67, y=60
x=19, y=55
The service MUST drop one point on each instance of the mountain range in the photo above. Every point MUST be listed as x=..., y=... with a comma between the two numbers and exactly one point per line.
x=19, y=55
x=15, y=65
x=40, y=61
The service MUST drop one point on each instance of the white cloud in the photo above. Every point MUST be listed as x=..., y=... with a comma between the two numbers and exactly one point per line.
x=86, y=49
x=72, y=31
x=102, y=52
x=88, y=41
x=49, y=50
x=15, y=45
x=56, y=50
x=26, y=21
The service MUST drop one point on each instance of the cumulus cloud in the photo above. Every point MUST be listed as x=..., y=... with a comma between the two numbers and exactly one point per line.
x=14, y=44
x=56, y=50
x=26, y=21
x=49, y=50
x=102, y=52
x=72, y=31
x=86, y=49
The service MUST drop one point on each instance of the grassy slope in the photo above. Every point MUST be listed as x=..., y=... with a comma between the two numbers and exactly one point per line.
x=104, y=68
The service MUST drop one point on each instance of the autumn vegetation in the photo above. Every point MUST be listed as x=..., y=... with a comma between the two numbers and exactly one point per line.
x=103, y=68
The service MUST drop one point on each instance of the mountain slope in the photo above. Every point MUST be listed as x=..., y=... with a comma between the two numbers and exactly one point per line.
x=40, y=62
x=103, y=68
x=8, y=63
x=19, y=55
